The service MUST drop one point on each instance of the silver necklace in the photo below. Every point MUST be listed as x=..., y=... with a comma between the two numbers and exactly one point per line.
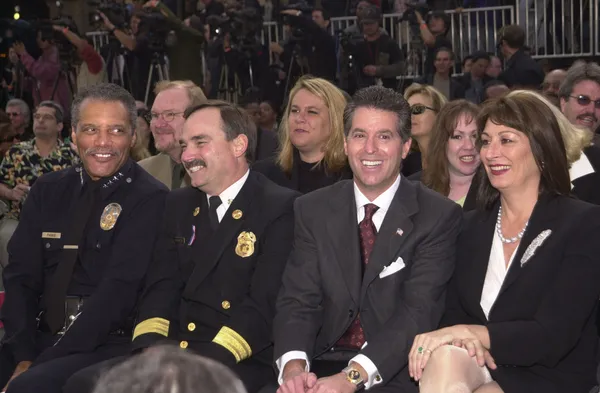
x=499, y=230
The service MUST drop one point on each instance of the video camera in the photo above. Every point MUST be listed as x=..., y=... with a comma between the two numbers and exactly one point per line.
x=66, y=51
x=242, y=26
x=116, y=13
x=411, y=17
x=155, y=28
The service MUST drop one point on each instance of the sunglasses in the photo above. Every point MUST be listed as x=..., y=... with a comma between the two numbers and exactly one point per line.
x=585, y=101
x=419, y=109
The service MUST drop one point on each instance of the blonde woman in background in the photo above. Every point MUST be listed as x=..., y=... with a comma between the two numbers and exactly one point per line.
x=311, y=135
x=425, y=104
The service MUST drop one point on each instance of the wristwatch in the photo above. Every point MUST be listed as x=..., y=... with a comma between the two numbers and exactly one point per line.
x=353, y=376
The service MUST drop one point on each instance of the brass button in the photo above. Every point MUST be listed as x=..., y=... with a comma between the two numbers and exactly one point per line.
x=183, y=344
x=377, y=378
x=191, y=326
x=225, y=304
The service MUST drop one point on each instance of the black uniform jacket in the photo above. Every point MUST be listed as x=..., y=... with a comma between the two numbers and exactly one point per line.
x=542, y=325
x=216, y=293
x=112, y=263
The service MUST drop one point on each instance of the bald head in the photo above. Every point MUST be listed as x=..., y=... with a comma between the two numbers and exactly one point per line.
x=552, y=82
x=495, y=91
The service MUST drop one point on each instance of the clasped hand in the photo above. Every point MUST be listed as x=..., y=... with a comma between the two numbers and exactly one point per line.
x=460, y=335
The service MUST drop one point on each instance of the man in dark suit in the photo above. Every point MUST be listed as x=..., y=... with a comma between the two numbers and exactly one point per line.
x=381, y=283
x=219, y=260
x=442, y=78
x=521, y=70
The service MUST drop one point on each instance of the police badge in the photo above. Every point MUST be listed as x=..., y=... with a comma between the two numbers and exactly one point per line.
x=109, y=216
x=245, y=245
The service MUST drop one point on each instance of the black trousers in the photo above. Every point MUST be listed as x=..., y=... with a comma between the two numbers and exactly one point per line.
x=51, y=376
x=253, y=374
x=8, y=363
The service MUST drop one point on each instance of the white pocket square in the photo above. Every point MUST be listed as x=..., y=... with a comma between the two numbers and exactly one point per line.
x=392, y=268
x=535, y=244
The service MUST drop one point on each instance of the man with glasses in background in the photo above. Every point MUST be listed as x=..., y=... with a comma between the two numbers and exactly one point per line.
x=26, y=161
x=579, y=96
x=19, y=114
x=166, y=124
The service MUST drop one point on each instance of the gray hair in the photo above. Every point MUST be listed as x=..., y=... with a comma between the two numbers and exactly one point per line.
x=106, y=92
x=169, y=369
x=235, y=122
x=24, y=108
x=384, y=99
x=59, y=114
x=580, y=71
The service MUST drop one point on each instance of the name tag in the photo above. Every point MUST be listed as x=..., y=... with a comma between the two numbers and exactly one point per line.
x=70, y=247
x=51, y=235
x=179, y=240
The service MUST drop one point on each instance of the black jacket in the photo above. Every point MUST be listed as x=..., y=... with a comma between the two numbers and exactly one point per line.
x=522, y=72
x=542, y=326
x=112, y=262
x=215, y=292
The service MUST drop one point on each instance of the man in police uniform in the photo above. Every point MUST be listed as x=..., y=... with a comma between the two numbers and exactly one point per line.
x=218, y=264
x=80, y=252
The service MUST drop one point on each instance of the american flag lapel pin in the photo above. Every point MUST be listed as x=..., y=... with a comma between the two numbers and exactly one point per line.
x=399, y=232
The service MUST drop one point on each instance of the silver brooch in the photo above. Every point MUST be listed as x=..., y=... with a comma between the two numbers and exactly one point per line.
x=538, y=241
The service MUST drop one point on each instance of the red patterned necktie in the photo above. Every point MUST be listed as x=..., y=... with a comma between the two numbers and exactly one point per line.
x=354, y=337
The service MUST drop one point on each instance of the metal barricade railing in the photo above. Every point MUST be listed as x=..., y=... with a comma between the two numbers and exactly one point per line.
x=99, y=38
x=559, y=28
x=554, y=28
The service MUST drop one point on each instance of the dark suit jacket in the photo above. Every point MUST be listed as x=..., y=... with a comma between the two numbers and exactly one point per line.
x=266, y=144
x=324, y=288
x=522, y=72
x=196, y=291
x=457, y=90
x=587, y=187
x=471, y=198
x=542, y=325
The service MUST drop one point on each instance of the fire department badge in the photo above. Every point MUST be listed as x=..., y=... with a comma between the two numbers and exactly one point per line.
x=245, y=245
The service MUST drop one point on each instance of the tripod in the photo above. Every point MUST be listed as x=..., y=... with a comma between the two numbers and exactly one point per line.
x=66, y=71
x=115, y=75
x=226, y=92
x=302, y=62
x=159, y=66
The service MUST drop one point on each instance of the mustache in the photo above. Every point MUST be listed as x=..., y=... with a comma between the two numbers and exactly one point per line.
x=592, y=115
x=196, y=162
x=96, y=150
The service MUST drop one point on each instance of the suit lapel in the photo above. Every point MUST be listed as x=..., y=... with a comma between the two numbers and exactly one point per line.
x=226, y=232
x=396, y=227
x=544, y=213
x=343, y=231
x=164, y=169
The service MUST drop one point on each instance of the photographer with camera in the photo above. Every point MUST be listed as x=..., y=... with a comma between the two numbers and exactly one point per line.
x=433, y=34
x=377, y=59
x=49, y=83
x=91, y=69
x=185, y=55
x=311, y=36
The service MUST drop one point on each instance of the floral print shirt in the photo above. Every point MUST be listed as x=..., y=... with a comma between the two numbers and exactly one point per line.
x=23, y=165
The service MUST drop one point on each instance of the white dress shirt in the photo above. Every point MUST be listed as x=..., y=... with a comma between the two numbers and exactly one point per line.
x=383, y=202
x=229, y=195
x=580, y=168
x=496, y=273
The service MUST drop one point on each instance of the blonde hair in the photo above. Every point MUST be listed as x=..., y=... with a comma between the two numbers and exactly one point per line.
x=574, y=137
x=334, y=158
x=195, y=93
x=438, y=100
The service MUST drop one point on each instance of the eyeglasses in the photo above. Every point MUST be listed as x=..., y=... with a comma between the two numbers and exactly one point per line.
x=43, y=117
x=585, y=101
x=166, y=116
x=419, y=109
